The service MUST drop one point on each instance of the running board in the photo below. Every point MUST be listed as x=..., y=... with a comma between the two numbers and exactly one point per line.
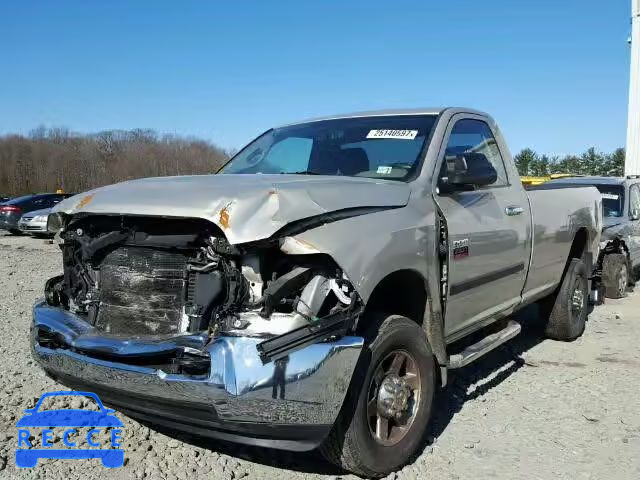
x=488, y=343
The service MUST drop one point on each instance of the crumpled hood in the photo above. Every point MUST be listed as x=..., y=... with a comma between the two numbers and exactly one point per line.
x=610, y=222
x=614, y=227
x=245, y=207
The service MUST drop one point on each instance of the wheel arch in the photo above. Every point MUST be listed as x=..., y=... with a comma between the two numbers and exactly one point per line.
x=402, y=292
x=579, y=250
x=406, y=292
x=580, y=244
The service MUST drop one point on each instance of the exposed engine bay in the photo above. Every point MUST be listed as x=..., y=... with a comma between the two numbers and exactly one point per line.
x=144, y=276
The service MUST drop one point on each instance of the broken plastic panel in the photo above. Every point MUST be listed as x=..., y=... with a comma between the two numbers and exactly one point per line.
x=143, y=277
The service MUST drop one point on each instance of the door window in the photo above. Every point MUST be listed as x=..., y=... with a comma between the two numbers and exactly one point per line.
x=475, y=136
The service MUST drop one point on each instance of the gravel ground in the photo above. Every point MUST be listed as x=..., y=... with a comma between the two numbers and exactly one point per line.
x=533, y=409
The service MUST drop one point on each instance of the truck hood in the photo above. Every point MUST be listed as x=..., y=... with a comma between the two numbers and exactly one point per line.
x=614, y=227
x=245, y=207
x=610, y=222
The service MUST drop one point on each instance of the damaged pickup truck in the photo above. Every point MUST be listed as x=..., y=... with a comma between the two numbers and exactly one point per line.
x=316, y=291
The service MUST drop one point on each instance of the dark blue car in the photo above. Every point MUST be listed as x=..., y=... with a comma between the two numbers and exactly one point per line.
x=69, y=418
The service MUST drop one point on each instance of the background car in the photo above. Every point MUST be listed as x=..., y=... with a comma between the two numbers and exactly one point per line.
x=4, y=198
x=619, y=258
x=35, y=223
x=12, y=211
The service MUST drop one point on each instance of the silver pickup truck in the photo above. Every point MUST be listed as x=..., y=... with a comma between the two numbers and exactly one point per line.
x=317, y=290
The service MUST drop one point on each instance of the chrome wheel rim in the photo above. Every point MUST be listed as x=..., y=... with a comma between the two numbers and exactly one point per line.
x=393, y=397
x=623, y=279
x=577, y=298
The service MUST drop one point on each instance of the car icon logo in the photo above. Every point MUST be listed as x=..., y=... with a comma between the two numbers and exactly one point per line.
x=37, y=418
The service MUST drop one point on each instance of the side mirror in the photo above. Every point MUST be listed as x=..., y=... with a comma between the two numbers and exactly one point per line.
x=635, y=214
x=470, y=169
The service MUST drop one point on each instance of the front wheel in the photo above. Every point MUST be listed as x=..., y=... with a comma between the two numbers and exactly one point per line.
x=615, y=275
x=393, y=406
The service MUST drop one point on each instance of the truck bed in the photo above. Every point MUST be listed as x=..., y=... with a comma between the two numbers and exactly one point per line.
x=557, y=211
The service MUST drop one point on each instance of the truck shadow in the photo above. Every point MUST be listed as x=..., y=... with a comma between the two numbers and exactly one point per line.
x=477, y=379
x=303, y=462
x=466, y=384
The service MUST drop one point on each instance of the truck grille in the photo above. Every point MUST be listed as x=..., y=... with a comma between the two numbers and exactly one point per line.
x=142, y=291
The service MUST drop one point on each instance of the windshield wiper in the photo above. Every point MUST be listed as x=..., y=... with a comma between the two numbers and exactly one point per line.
x=304, y=172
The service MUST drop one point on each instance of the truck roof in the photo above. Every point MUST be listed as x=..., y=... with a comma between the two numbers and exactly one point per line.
x=394, y=112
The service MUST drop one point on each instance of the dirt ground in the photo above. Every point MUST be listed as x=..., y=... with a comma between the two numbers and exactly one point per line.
x=533, y=409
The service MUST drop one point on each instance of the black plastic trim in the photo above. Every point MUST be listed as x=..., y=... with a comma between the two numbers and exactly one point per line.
x=335, y=325
x=315, y=221
x=487, y=278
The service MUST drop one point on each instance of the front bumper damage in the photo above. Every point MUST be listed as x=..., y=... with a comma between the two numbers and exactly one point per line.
x=280, y=401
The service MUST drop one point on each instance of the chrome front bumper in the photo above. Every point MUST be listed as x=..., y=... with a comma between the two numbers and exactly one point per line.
x=32, y=227
x=289, y=404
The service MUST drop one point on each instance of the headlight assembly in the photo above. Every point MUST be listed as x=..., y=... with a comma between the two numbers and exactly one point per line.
x=55, y=222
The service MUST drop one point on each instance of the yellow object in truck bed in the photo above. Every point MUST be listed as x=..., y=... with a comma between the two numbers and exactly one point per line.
x=530, y=180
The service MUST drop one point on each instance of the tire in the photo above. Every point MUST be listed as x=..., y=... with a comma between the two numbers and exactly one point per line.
x=615, y=275
x=566, y=314
x=13, y=231
x=352, y=443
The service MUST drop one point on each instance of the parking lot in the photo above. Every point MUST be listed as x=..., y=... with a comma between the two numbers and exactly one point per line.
x=532, y=409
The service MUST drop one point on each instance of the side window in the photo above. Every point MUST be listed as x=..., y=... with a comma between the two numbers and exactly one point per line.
x=634, y=198
x=474, y=136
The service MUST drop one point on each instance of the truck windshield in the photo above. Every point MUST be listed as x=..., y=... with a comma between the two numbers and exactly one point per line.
x=386, y=147
x=612, y=200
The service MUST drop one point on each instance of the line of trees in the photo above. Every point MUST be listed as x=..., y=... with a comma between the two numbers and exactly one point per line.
x=48, y=159
x=591, y=162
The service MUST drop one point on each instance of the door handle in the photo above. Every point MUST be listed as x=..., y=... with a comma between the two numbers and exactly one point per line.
x=513, y=210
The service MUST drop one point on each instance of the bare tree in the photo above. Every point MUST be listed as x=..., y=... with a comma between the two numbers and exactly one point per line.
x=49, y=159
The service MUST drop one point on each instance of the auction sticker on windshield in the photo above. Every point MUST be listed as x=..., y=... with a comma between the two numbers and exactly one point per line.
x=397, y=134
x=610, y=196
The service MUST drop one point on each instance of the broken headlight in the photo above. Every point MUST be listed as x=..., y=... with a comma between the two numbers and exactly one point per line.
x=55, y=222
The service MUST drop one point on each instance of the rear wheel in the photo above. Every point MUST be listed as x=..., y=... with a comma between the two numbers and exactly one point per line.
x=383, y=424
x=566, y=310
x=615, y=275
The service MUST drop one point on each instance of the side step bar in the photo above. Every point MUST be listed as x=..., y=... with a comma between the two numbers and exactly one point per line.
x=488, y=343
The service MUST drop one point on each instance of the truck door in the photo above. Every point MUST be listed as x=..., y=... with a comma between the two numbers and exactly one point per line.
x=488, y=229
